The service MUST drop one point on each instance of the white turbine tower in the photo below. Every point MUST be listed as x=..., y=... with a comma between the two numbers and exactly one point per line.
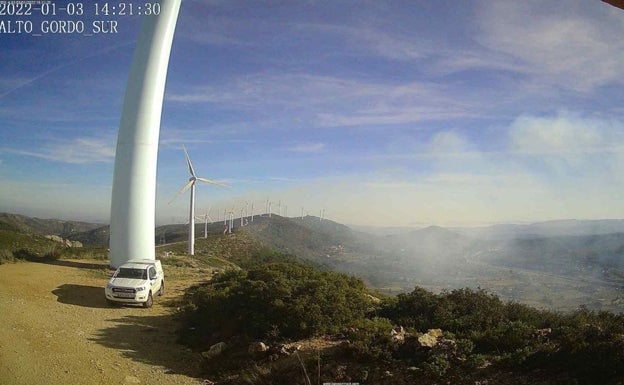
x=133, y=199
x=231, y=221
x=191, y=184
x=206, y=218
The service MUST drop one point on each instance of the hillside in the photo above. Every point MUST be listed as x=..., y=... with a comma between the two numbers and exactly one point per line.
x=570, y=227
x=62, y=228
x=554, y=271
x=16, y=245
x=100, y=236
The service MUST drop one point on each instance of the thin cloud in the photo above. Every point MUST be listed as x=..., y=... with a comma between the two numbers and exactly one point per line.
x=75, y=151
x=569, y=45
x=566, y=135
x=308, y=148
x=333, y=102
x=24, y=82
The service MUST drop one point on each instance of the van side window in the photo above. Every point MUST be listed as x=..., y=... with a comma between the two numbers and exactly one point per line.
x=152, y=272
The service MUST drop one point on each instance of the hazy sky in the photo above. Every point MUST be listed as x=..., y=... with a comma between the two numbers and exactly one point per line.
x=380, y=112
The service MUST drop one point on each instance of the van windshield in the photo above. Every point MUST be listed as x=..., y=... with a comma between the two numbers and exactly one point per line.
x=132, y=273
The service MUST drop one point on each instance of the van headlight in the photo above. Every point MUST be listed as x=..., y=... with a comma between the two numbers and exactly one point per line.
x=140, y=288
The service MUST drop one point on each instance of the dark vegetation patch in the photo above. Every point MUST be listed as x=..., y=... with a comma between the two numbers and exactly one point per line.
x=481, y=340
x=281, y=300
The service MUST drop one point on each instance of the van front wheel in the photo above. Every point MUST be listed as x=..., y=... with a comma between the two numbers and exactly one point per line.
x=150, y=300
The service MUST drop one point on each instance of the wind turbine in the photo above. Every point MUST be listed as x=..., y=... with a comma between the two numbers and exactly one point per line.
x=191, y=184
x=133, y=198
x=231, y=221
x=206, y=217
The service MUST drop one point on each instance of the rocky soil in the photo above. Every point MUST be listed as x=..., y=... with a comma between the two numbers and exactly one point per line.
x=55, y=328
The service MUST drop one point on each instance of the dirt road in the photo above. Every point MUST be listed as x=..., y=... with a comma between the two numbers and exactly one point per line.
x=55, y=328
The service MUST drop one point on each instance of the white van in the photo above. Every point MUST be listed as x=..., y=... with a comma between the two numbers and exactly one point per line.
x=136, y=281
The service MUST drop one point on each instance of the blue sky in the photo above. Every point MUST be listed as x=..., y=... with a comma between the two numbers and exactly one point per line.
x=380, y=112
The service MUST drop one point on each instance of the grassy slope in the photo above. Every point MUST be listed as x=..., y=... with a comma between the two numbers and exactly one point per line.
x=40, y=226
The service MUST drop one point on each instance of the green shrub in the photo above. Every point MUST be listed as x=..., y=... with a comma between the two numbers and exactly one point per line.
x=284, y=299
x=437, y=365
x=6, y=256
x=462, y=312
x=371, y=340
x=25, y=254
x=52, y=255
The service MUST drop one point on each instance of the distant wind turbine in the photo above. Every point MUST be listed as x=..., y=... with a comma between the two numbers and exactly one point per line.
x=191, y=184
x=206, y=218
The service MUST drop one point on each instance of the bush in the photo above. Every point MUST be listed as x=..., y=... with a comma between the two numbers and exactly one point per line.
x=6, y=256
x=277, y=300
x=582, y=346
x=462, y=312
x=437, y=365
x=52, y=255
x=371, y=340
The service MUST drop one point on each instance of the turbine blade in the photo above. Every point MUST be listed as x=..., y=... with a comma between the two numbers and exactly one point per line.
x=182, y=190
x=213, y=182
x=188, y=161
x=186, y=187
